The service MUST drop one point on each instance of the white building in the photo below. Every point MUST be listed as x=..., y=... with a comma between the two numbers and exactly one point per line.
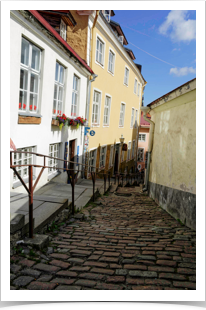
x=47, y=78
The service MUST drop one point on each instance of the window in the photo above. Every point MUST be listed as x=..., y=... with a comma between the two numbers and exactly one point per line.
x=107, y=14
x=29, y=77
x=128, y=150
x=126, y=76
x=102, y=156
x=58, y=89
x=107, y=110
x=122, y=112
x=63, y=30
x=111, y=156
x=140, y=154
x=142, y=137
x=52, y=162
x=135, y=86
x=96, y=107
x=133, y=148
x=111, y=61
x=136, y=113
x=132, y=118
x=100, y=51
x=92, y=159
x=23, y=159
x=75, y=96
x=138, y=93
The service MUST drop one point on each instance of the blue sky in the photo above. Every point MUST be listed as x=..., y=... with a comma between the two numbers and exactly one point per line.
x=167, y=35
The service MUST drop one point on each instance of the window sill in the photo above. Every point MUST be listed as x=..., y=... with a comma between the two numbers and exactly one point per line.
x=18, y=183
x=99, y=64
x=125, y=85
x=110, y=72
x=95, y=125
x=29, y=119
x=105, y=126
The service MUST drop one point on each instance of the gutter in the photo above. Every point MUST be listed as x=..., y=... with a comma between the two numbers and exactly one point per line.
x=145, y=110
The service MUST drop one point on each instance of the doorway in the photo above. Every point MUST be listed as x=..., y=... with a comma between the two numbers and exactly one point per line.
x=71, y=153
x=116, y=159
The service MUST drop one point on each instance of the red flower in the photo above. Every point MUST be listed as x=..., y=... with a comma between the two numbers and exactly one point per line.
x=58, y=111
x=54, y=111
x=30, y=107
x=19, y=105
x=34, y=108
x=24, y=106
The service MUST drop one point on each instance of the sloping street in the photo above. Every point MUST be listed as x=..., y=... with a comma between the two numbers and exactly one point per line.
x=122, y=241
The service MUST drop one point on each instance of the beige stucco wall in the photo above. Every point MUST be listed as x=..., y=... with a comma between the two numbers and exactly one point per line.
x=173, y=159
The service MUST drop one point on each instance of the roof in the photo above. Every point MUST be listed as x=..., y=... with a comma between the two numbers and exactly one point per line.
x=60, y=39
x=131, y=54
x=66, y=16
x=142, y=120
x=162, y=97
x=115, y=26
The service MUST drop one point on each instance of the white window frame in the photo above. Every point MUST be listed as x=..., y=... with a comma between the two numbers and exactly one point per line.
x=133, y=148
x=75, y=104
x=113, y=65
x=23, y=159
x=136, y=116
x=122, y=114
x=63, y=30
x=126, y=77
x=140, y=148
x=97, y=124
x=107, y=15
x=132, y=118
x=105, y=154
x=135, y=86
x=129, y=150
x=30, y=71
x=98, y=38
x=94, y=158
x=141, y=135
x=51, y=161
x=58, y=104
x=111, y=156
x=109, y=108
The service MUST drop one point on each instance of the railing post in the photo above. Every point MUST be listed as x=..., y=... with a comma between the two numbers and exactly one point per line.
x=118, y=179
x=109, y=178
x=122, y=180
x=31, y=228
x=72, y=181
x=93, y=180
x=105, y=176
x=115, y=178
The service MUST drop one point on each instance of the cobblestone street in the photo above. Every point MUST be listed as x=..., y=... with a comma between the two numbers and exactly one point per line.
x=123, y=241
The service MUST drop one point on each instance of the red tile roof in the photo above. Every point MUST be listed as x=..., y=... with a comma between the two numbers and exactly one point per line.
x=142, y=120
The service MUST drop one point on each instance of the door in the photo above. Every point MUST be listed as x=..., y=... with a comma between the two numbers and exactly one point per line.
x=116, y=160
x=71, y=153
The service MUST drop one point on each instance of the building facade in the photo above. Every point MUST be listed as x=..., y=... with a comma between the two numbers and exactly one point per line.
x=48, y=78
x=172, y=172
x=143, y=142
x=115, y=95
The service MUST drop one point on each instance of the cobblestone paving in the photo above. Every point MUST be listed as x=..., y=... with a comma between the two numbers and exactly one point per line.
x=120, y=243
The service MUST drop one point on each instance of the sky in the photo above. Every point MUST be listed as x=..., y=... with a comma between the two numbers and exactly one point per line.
x=164, y=43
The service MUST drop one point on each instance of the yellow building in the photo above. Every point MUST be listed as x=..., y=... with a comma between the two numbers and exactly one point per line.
x=171, y=167
x=115, y=96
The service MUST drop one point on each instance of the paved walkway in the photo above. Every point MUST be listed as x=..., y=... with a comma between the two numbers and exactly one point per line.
x=121, y=242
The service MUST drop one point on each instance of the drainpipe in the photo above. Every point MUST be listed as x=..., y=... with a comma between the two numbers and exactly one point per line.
x=145, y=110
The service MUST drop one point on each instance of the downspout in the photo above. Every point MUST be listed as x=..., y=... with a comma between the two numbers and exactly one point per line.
x=145, y=110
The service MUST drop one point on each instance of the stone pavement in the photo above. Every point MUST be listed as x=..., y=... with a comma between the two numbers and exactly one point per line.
x=123, y=241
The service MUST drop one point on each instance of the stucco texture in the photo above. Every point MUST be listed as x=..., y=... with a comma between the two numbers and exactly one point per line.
x=173, y=159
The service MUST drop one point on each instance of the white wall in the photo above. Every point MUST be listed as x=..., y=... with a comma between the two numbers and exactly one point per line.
x=25, y=135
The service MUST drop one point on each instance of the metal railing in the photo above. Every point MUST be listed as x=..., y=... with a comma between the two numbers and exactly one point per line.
x=72, y=175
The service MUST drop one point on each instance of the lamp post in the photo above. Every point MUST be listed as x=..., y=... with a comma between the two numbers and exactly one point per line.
x=121, y=139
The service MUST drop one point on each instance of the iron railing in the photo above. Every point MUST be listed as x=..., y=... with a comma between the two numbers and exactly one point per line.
x=71, y=174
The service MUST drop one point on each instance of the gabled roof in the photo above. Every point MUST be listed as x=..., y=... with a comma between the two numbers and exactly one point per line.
x=131, y=54
x=144, y=123
x=117, y=27
x=60, y=39
x=65, y=14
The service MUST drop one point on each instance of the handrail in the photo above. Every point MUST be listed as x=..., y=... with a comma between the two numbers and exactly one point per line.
x=71, y=175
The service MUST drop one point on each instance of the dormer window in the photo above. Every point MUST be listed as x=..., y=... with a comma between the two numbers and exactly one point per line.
x=63, y=30
x=107, y=14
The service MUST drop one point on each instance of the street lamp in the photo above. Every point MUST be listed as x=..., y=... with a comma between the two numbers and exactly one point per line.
x=121, y=139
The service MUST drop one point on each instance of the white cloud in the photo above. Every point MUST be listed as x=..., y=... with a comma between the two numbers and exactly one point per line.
x=178, y=27
x=182, y=71
x=176, y=49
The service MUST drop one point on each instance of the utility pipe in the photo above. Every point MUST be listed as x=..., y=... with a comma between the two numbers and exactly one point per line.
x=145, y=110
